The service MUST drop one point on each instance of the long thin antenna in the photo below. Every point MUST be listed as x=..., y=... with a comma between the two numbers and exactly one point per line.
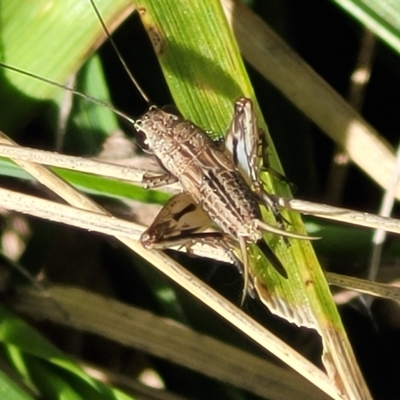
x=72, y=90
x=117, y=52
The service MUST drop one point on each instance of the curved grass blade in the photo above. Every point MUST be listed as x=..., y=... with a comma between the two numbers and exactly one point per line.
x=57, y=38
x=44, y=367
x=381, y=17
x=204, y=71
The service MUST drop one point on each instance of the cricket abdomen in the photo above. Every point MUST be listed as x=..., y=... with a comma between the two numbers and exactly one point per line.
x=227, y=199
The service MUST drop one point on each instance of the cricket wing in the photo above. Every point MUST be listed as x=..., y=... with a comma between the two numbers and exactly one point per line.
x=179, y=217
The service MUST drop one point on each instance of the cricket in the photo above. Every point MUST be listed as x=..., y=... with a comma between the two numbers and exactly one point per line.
x=220, y=181
x=222, y=203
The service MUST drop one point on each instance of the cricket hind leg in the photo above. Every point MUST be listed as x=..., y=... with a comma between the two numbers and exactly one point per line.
x=246, y=269
x=244, y=144
x=181, y=223
x=189, y=240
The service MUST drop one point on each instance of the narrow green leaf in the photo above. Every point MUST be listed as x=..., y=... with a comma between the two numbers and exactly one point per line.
x=202, y=65
x=41, y=363
x=10, y=391
x=55, y=40
x=381, y=17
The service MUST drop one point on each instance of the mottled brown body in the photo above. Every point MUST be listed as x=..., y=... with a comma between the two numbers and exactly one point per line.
x=203, y=170
x=221, y=185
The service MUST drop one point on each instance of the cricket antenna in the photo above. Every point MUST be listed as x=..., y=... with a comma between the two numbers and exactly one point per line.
x=117, y=52
x=70, y=89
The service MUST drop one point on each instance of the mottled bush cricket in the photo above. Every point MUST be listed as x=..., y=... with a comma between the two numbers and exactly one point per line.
x=222, y=182
x=218, y=182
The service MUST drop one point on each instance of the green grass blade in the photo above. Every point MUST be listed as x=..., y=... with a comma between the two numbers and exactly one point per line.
x=203, y=68
x=381, y=17
x=45, y=367
x=63, y=34
x=10, y=390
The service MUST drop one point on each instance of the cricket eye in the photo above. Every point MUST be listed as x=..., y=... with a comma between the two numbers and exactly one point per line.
x=172, y=110
x=142, y=140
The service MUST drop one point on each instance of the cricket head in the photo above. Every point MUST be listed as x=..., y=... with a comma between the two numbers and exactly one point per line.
x=155, y=129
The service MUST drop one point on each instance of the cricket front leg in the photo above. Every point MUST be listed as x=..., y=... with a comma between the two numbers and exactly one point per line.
x=153, y=181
